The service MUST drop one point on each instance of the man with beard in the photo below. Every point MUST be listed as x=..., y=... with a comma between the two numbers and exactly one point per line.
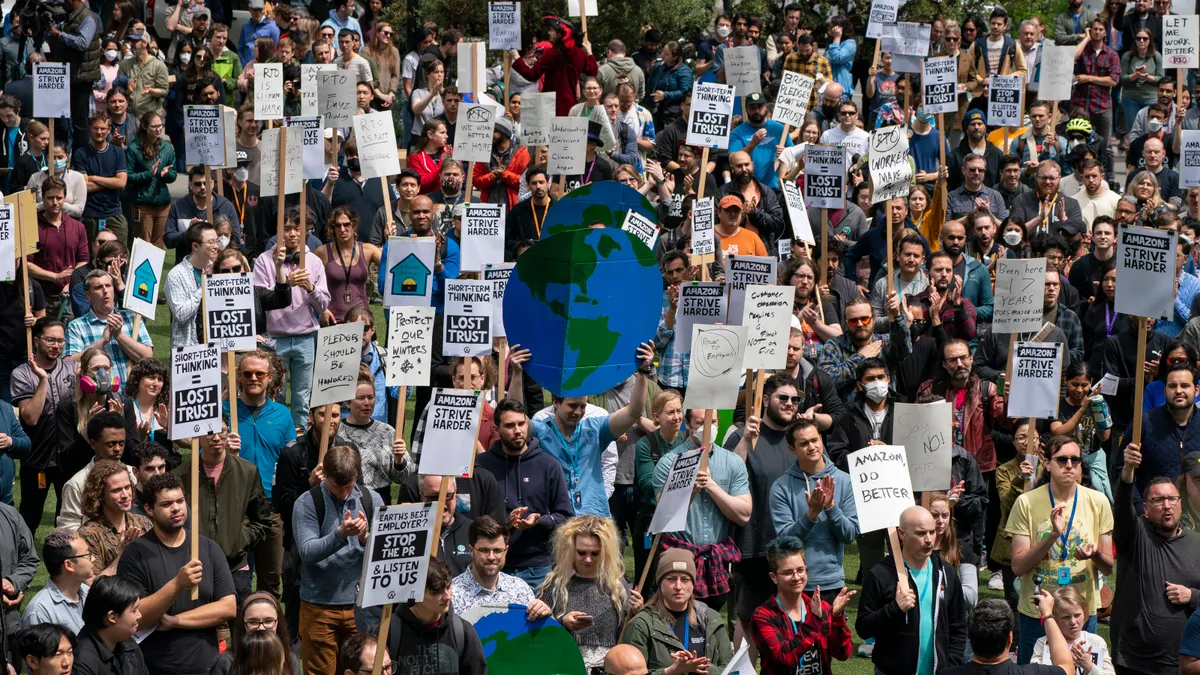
x=450, y=193
x=1070, y=27
x=1096, y=201
x=764, y=214
x=1165, y=436
x=976, y=281
x=1060, y=315
x=525, y=220
x=502, y=181
x=668, y=85
x=760, y=137
x=680, y=187
x=1046, y=205
x=974, y=142
x=1038, y=143
x=973, y=194
x=841, y=356
x=910, y=277
x=1127, y=211
x=978, y=406
x=827, y=114
x=806, y=61
x=160, y=563
x=983, y=245
x=943, y=302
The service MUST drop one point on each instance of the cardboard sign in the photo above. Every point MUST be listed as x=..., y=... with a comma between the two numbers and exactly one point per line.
x=310, y=87
x=574, y=7
x=883, y=13
x=641, y=227
x=1145, y=272
x=312, y=143
x=537, y=116
x=1020, y=293
x=450, y=427
x=472, y=67
x=742, y=271
x=204, y=135
x=703, y=221
x=376, y=136
x=939, y=79
x=467, y=326
x=767, y=316
x=397, y=555
x=568, y=146
x=1180, y=39
x=498, y=274
x=144, y=278
x=700, y=302
x=293, y=166
x=482, y=236
x=409, y=346
x=924, y=431
x=504, y=26
x=229, y=311
x=473, y=136
x=335, y=368
x=8, y=243
x=337, y=103
x=670, y=514
x=26, y=214
x=791, y=103
x=889, y=165
x=229, y=122
x=710, y=116
x=741, y=70
x=1189, y=161
x=268, y=91
x=1036, y=377
x=1004, y=101
x=1057, y=72
x=882, y=486
x=409, y=278
x=715, y=367
x=51, y=90
x=195, y=391
x=824, y=176
x=797, y=213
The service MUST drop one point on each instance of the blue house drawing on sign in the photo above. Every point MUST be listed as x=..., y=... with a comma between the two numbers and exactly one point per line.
x=410, y=276
x=145, y=282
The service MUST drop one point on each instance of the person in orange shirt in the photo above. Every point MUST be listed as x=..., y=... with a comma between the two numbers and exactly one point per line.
x=732, y=237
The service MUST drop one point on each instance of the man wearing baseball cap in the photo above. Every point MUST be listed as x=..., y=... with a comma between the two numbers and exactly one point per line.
x=733, y=238
x=760, y=136
x=148, y=78
x=974, y=142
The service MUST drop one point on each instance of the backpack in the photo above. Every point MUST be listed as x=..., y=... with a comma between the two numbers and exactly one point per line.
x=367, y=620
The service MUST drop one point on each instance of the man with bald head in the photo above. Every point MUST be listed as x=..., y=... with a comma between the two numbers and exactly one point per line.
x=826, y=114
x=919, y=624
x=761, y=208
x=625, y=660
x=1154, y=156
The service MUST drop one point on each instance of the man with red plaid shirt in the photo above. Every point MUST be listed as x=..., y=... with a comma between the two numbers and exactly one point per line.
x=796, y=633
x=1097, y=71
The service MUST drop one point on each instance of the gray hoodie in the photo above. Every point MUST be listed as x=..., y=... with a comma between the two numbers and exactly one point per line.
x=619, y=69
x=825, y=540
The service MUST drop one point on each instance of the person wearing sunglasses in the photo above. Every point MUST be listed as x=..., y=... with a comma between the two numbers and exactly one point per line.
x=841, y=355
x=1061, y=536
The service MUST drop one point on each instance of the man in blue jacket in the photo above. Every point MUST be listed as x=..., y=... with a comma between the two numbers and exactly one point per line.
x=759, y=137
x=1166, y=436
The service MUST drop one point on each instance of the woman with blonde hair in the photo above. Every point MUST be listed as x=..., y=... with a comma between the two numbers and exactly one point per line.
x=586, y=590
x=666, y=409
x=97, y=389
x=1091, y=653
x=1145, y=188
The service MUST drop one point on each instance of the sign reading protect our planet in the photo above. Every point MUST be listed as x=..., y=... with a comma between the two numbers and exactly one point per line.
x=144, y=278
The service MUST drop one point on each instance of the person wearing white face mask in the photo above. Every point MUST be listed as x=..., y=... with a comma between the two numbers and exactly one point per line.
x=109, y=72
x=244, y=193
x=76, y=182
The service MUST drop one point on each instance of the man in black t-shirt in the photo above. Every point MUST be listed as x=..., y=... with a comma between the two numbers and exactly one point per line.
x=990, y=630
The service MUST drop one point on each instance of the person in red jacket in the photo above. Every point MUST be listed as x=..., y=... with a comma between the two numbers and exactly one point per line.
x=428, y=161
x=500, y=182
x=562, y=66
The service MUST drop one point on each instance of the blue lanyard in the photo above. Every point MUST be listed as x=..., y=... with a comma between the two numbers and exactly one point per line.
x=571, y=449
x=687, y=633
x=1067, y=533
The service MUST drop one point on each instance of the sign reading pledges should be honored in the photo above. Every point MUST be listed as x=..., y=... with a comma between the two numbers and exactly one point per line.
x=1189, y=166
x=195, y=391
x=768, y=320
x=882, y=486
x=144, y=278
x=791, y=103
x=940, y=81
x=409, y=346
x=924, y=431
x=504, y=25
x=482, y=236
x=335, y=368
x=229, y=311
x=742, y=271
x=824, y=176
x=1057, y=72
x=1037, y=371
x=670, y=515
x=467, y=330
x=1180, y=39
x=1145, y=272
x=1020, y=288
x=450, y=432
x=397, y=555
x=1004, y=101
x=712, y=110
x=204, y=135
x=268, y=91
x=890, y=170
x=376, y=144
x=51, y=90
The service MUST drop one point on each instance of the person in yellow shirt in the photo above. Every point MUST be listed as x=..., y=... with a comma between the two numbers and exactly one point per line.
x=732, y=237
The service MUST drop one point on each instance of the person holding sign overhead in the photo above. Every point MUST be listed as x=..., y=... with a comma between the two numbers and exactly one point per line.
x=560, y=67
x=1165, y=431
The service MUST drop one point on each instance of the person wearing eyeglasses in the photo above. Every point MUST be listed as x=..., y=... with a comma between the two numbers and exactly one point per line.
x=259, y=611
x=69, y=564
x=978, y=405
x=356, y=656
x=847, y=132
x=1061, y=536
x=454, y=543
x=841, y=355
x=484, y=582
x=1170, y=421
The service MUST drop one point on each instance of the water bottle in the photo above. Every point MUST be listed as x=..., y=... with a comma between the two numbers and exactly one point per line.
x=1100, y=412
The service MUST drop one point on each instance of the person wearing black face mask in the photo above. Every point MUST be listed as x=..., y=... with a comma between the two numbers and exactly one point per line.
x=451, y=191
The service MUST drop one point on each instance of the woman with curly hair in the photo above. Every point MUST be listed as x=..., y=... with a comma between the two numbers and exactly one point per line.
x=108, y=523
x=586, y=591
x=259, y=611
x=819, y=323
x=149, y=391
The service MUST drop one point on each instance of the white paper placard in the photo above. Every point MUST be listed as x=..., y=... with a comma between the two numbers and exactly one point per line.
x=670, y=514
x=376, y=134
x=537, y=116
x=472, y=67
x=1020, y=293
x=824, y=176
x=268, y=91
x=269, y=165
x=1180, y=39
x=889, y=165
x=310, y=87
x=1036, y=377
x=410, y=263
x=641, y=227
x=335, y=368
x=797, y=213
x=742, y=271
x=312, y=143
x=195, y=391
x=1057, y=72
x=8, y=243
x=229, y=122
x=568, y=146
x=589, y=6
x=703, y=221
x=924, y=431
x=1189, y=165
x=204, y=135
x=498, y=274
x=939, y=78
x=473, y=136
x=741, y=70
x=882, y=486
x=711, y=115
x=1145, y=272
x=907, y=38
x=51, y=90
x=144, y=279
x=715, y=367
x=700, y=302
x=741, y=663
x=337, y=104
x=482, y=236
x=1109, y=384
x=409, y=346
x=229, y=311
x=1004, y=101
x=396, y=558
x=467, y=323
x=791, y=103
x=883, y=12
x=504, y=26
x=450, y=430
x=767, y=317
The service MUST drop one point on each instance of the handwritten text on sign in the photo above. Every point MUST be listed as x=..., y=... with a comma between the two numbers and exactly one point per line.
x=925, y=432
x=504, y=25
x=768, y=320
x=1180, y=36
x=568, y=145
x=882, y=487
x=376, y=135
x=409, y=346
x=890, y=168
x=791, y=103
x=1020, y=287
x=335, y=369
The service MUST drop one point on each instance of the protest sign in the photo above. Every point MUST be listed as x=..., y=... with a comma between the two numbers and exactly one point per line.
x=504, y=26
x=195, y=391
x=670, y=514
x=883, y=13
x=268, y=91
x=783, y=249
x=824, y=176
x=700, y=302
x=939, y=78
x=791, y=103
x=473, y=137
x=703, y=220
x=715, y=367
x=204, y=135
x=742, y=664
x=229, y=311
x=336, y=104
x=310, y=87
x=498, y=274
x=908, y=43
x=889, y=165
x=376, y=136
x=923, y=430
x=1036, y=378
x=144, y=278
x=396, y=556
x=1004, y=101
x=293, y=166
x=589, y=6
x=1189, y=164
x=1180, y=39
x=641, y=227
x=741, y=70
x=711, y=112
x=410, y=263
x=8, y=243
x=797, y=213
x=467, y=328
x=882, y=486
x=1020, y=292
x=1145, y=272
x=537, y=114
x=26, y=215
x=472, y=67
x=312, y=144
x=1057, y=72
x=742, y=271
x=229, y=129
x=409, y=346
x=450, y=432
x=51, y=90
x=568, y=145
x=767, y=316
x=482, y=236
x=335, y=368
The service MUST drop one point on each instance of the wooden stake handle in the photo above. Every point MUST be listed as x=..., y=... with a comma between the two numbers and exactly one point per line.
x=1139, y=379
x=898, y=557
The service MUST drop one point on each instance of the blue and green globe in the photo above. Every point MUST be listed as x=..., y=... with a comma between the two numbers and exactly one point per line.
x=604, y=202
x=514, y=645
x=582, y=301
